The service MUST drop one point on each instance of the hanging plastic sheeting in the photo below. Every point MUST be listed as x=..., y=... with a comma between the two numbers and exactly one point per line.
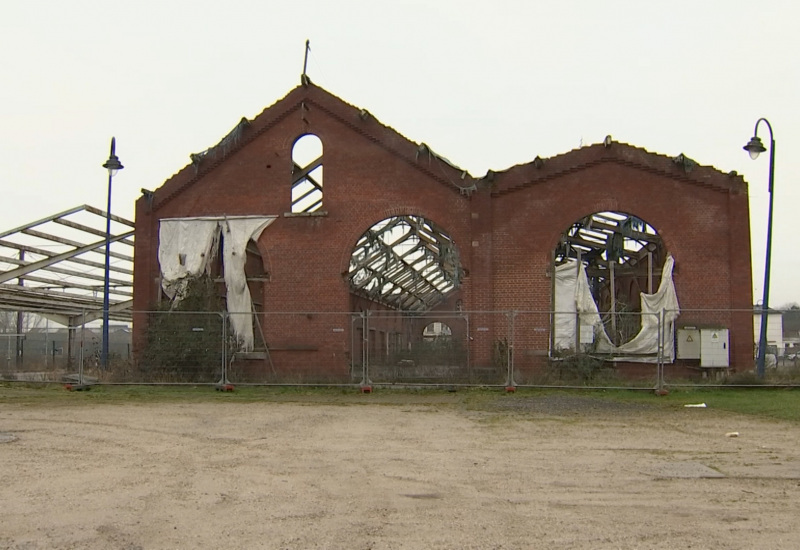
x=643, y=348
x=187, y=245
x=665, y=299
x=237, y=233
x=566, y=310
x=573, y=297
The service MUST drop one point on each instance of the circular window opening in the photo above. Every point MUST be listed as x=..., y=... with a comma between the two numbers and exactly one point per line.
x=437, y=332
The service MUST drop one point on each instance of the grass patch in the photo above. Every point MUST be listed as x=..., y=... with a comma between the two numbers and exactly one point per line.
x=779, y=404
x=56, y=394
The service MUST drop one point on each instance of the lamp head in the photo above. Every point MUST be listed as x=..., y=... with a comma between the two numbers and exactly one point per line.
x=755, y=147
x=113, y=165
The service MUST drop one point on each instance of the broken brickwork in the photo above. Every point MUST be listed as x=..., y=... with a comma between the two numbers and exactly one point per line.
x=499, y=231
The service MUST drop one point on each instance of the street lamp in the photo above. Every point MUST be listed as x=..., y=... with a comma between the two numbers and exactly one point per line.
x=113, y=165
x=755, y=147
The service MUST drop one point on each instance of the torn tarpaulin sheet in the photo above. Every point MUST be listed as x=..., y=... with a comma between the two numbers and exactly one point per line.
x=573, y=297
x=187, y=245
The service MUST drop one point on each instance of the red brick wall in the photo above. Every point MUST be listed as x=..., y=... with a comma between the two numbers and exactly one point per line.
x=505, y=227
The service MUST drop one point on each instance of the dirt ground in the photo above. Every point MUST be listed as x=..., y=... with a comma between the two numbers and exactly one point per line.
x=525, y=472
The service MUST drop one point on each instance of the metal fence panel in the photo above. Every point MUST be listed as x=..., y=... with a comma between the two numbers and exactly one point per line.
x=710, y=347
x=442, y=348
x=708, y=354
x=564, y=349
x=300, y=348
x=34, y=348
x=177, y=347
x=530, y=342
x=35, y=356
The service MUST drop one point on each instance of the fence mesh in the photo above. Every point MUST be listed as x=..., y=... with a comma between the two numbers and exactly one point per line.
x=708, y=351
x=35, y=349
x=426, y=349
x=299, y=348
x=178, y=347
x=518, y=348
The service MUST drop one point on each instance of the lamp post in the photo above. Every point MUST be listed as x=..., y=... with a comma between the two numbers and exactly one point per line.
x=113, y=165
x=755, y=147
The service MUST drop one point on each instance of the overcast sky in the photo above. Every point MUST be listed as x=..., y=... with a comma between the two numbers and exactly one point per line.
x=487, y=85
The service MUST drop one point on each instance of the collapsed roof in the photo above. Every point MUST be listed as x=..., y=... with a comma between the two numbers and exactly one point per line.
x=405, y=262
x=608, y=237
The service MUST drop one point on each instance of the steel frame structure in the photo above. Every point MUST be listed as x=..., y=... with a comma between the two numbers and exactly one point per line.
x=54, y=267
x=405, y=262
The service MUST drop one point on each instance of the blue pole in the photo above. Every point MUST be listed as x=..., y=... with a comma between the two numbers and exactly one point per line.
x=754, y=147
x=104, y=356
x=762, y=341
x=112, y=165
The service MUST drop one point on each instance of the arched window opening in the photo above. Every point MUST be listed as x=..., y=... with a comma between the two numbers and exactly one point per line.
x=622, y=257
x=437, y=332
x=405, y=262
x=307, y=174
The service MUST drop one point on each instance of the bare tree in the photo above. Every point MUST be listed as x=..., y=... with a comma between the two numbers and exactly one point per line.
x=10, y=322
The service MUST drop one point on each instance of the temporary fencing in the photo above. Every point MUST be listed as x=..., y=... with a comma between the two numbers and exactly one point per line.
x=35, y=349
x=383, y=348
x=299, y=348
x=708, y=351
x=423, y=349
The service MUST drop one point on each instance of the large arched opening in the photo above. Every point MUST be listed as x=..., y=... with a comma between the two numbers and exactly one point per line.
x=403, y=273
x=611, y=270
x=405, y=263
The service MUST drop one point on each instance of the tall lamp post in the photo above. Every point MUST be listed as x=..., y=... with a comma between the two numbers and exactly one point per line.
x=755, y=147
x=113, y=165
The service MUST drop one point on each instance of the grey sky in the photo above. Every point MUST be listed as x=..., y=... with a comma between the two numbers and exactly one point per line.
x=487, y=86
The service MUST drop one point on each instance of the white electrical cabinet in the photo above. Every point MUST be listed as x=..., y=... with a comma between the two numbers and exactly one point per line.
x=714, y=347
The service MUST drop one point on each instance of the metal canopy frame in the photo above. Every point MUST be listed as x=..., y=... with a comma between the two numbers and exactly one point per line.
x=405, y=262
x=55, y=267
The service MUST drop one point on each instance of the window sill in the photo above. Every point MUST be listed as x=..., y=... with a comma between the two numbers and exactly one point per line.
x=317, y=214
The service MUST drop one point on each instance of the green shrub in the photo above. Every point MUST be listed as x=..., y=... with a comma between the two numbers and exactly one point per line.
x=185, y=342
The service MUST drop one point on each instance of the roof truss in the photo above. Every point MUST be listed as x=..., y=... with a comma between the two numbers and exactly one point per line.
x=615, y=248
x=405, y=262
x=608, y=237
x=56, y=265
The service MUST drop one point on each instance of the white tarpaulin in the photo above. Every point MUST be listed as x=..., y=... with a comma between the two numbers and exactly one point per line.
x=565, y=317
x=185, y=247
x=237, y=233
x=573, y=296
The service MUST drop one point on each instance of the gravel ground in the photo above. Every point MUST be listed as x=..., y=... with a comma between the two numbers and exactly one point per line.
x=554, y=471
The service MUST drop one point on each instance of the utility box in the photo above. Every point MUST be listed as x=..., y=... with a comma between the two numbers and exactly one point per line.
x=714, y=347
x=688, y=343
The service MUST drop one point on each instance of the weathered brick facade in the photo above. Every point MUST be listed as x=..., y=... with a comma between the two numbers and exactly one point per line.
x=505, y=224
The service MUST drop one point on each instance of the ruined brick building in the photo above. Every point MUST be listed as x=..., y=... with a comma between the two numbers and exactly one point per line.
x=397, y=230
